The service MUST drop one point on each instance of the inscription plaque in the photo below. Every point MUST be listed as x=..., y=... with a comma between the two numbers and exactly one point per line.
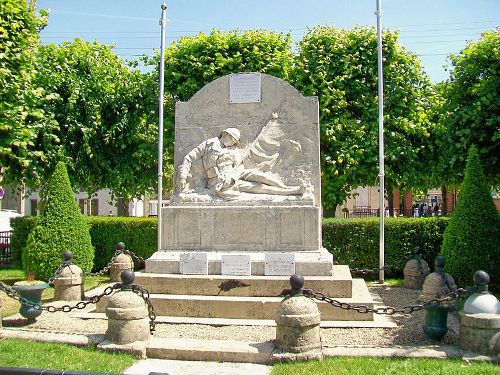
x=279, y=264
x=236, y=264
x=244, y=88
x=194, y=263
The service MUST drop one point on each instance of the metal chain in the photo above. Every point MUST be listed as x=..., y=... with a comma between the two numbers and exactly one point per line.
x=58, y=271
x=105, y=270
x=65, y=308
x=144, y=293
x=369, y=271
x=140, y=260
x=388, y=310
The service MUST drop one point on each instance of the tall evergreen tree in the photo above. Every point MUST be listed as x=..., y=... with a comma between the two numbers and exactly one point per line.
x=471, y=241
x=60, y=227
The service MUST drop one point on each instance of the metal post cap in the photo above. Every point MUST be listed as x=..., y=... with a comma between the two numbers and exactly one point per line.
x=67, y=256
x=297, y=281
x=127, y=277
x=120, y=246
x=439, y=261
x=481, y=278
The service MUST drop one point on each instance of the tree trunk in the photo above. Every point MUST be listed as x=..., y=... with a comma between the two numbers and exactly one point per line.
x=444, y=205
x=390, y=201
x=122, y=206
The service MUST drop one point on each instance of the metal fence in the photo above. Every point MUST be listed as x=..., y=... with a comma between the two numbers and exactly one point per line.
x=5, y=249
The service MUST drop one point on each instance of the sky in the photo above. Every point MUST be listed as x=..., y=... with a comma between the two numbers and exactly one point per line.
x=430, y=28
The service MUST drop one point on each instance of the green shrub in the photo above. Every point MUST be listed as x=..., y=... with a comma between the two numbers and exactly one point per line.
x=59, y=227
x=21, y=228
x=138, y=234
x=472, y=239
x=355, y=242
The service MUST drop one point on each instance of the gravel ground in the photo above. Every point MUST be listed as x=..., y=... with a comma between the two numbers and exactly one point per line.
x=408, y=332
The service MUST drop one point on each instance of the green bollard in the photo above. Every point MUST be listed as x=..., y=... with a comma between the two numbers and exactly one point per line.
x=436, y=285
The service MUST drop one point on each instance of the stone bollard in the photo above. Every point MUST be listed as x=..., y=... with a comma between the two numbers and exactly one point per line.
x=127, y=313
x=437, y=285
x=297, y=322
x=68, y=286
x=480, y=319
x=416, y=270
x=121, y=263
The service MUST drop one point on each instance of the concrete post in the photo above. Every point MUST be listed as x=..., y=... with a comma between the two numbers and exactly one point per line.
x=416, y=270
x=298, y=320
x=127, y=314
x=121, y=263
x=480, y=319
x=68, y=286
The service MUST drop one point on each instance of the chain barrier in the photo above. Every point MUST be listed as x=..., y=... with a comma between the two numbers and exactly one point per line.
x=144, y=293
x=140, y=260
x=105, y=270
x=65, y=308
x=58, y=271
x=387, y=310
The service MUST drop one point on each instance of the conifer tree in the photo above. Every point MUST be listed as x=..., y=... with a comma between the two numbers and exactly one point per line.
x=59, y=227
x=471, y=240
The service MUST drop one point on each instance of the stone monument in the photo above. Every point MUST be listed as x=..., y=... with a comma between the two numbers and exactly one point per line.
x=247, y=182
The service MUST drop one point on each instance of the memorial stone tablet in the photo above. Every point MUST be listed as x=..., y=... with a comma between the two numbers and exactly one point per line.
x=279, y=264
x=236, y=264
x=194, y=263
x=244, y=88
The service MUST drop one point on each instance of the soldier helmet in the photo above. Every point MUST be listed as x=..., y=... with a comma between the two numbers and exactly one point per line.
x=233, y=132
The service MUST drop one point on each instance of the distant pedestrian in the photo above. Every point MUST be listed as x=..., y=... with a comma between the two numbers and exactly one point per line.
x=436, y=210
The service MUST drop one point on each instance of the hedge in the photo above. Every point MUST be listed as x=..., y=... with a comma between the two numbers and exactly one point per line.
x=351, y=241
x=355, y=242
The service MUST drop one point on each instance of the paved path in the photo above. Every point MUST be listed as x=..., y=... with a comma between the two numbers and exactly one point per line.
x=164, y=367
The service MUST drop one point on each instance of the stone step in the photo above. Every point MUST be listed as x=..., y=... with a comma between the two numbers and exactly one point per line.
x=337, y=285
x=248, y=307
x=210, y=350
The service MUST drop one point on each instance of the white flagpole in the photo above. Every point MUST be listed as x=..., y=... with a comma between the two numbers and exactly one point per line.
x=380, y=140
x=163, y=23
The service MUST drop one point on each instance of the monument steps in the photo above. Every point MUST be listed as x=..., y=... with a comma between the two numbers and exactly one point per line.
x=337, y=285
x=249, y=307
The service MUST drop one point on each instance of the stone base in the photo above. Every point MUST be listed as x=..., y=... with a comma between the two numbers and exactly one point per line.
x=307, y=263
x=480, y=333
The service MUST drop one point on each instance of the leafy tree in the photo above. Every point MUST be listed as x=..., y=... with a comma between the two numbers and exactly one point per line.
x=59, y=227
x=192, y=62
x=106, y=114
x=471, y=240
x=470, y=113
x=20, y=120
x=340, y=67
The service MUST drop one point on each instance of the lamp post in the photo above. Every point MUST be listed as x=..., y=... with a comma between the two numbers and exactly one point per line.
x=381, y=174
x=163, y=23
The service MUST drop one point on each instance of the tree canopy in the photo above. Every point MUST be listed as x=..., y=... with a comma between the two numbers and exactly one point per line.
x=340, y=67
x=470, y=114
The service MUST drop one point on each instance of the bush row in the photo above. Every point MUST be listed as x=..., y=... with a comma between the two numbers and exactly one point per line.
x=354, y=242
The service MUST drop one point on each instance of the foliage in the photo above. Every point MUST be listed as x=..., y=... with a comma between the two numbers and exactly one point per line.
x=340, y=67
x=21, y=228
x=375, y=366
x=472, y=239
x=471, y=111
x=106, y=115
x=138, y=234
x=20, y=120
x=61, y=357
x=355, y=242
x=59, y=227
x=192, y=62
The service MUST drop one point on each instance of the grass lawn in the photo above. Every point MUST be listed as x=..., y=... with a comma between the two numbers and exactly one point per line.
x=381, y=366
x=60, y=357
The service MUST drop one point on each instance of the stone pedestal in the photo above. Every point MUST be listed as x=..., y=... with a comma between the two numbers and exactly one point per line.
x=127, y=318
x=121, y=263
x=480, y=333
x=297, y=323
x=69, y=285
x=415, y=271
